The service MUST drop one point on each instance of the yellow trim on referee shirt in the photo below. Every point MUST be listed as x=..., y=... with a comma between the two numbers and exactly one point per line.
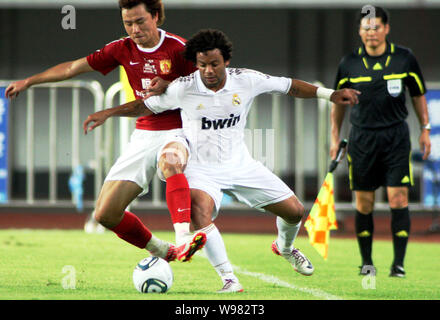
x=353, y=80
x=388, y=61
x=360, y=79
x=411, y=178
x=341, y=82
x=350, y=171
x=418, y=81
x=395, y=76
x=365, y=62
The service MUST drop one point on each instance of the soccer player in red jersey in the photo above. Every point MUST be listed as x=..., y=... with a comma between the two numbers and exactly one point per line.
x=148, y=54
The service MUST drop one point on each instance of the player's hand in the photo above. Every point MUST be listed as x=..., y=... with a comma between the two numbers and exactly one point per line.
x=15, y=88
x=157, y=87
x=346, y=97
x=95, y=120
x=425, y=144
x=334, y=149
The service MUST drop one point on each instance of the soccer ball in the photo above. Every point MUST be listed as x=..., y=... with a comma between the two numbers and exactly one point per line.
x=153, y=274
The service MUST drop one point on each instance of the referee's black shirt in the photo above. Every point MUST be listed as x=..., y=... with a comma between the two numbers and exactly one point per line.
x=382, y=81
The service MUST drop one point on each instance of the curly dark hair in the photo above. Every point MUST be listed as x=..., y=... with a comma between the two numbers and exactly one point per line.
x=205, y=40
x=152, y=6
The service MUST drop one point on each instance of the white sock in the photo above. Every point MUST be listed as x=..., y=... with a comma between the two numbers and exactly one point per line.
x=157, y=247
x=286, y=234
x=215, y=251
x=182, y=231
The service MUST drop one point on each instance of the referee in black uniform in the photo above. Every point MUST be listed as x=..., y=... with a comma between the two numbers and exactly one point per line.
x=379, y=146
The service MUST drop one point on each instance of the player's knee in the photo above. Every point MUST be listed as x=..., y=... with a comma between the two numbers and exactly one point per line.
x=298, y=212
x=200, y=217
x=107, y=217
x=170, y=164
x=295, y=214
x=364, y=204
x=398, y=201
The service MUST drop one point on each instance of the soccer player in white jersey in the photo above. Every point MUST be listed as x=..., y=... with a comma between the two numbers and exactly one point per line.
x=146, y=54
x=214, y=103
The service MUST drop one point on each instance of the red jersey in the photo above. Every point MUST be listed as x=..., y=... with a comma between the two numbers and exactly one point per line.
x=141, y=65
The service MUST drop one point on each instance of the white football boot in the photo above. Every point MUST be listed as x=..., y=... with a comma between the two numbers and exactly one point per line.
x=297, y=259
x=231, y=286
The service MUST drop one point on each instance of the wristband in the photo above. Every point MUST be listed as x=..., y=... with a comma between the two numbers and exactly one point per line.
x=426, y=126
x=324, y=93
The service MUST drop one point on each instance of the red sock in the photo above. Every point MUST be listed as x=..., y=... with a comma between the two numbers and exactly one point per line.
x=132, y=230
x=178, y=198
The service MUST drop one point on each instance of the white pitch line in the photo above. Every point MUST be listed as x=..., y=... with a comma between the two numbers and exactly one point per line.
x=274, y=280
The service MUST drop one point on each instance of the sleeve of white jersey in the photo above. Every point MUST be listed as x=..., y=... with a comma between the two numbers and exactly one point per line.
x=167, y=101
x=263, y=83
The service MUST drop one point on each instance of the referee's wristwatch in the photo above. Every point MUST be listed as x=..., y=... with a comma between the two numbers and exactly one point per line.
x=426, y=126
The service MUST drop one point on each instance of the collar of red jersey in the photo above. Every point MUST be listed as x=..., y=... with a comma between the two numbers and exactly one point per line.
x=149, y=50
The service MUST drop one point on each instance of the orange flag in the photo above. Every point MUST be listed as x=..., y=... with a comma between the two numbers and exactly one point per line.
x=322, y=217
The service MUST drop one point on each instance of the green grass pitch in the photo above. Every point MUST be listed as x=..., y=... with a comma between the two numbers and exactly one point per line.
x=73, y=265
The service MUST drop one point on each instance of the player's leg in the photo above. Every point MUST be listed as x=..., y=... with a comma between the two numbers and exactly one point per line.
x=398, y=181
x=366, y=174
x=289, y=213
x=202, y=208
x=364, y=227
x=110, y=212
x=172, y=162
x=400, y=227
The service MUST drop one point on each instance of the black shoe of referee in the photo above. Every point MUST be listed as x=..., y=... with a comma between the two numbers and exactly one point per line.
x=367, y=270
x=397, y=271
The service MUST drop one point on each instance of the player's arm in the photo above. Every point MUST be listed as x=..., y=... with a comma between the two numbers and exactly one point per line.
x=135, y=108
x=302, y=89
x=62, y=71
x=337, y=115
x=421, y=110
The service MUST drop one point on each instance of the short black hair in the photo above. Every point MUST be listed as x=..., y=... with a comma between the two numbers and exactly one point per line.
x=378, y=12
x=205, y=40
x=154, y=7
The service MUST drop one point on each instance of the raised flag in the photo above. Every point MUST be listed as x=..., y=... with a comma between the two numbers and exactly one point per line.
x=322, y=217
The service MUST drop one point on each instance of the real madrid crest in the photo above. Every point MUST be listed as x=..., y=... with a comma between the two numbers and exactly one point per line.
x=236, y=101
x=165, y=66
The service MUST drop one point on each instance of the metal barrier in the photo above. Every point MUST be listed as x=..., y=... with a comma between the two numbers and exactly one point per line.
x=104, y=141
x=95, y=89
x=125, y=128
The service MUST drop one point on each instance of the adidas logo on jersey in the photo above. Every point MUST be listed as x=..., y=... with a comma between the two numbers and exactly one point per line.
x=220, y=123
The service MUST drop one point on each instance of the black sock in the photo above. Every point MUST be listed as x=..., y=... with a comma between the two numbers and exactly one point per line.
x=400, y=227
x=364, y=227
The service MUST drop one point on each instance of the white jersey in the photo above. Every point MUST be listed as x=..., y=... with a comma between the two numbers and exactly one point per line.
x=214, y=122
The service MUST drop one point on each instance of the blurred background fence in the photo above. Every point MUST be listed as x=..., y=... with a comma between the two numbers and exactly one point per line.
x=44, y=144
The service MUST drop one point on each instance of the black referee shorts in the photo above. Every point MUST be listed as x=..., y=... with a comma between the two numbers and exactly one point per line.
x=379, y=157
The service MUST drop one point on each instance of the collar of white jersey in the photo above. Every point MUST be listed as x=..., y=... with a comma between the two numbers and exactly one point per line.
x=150, y=50
x=201, y=86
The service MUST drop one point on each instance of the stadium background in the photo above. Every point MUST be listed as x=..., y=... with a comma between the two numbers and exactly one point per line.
x=303, y=39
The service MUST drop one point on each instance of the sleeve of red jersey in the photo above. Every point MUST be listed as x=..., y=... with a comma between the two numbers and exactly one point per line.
x=103, y=60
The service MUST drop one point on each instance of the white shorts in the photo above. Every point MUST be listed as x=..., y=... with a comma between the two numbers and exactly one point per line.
x=250, y=182
x=139, y=160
